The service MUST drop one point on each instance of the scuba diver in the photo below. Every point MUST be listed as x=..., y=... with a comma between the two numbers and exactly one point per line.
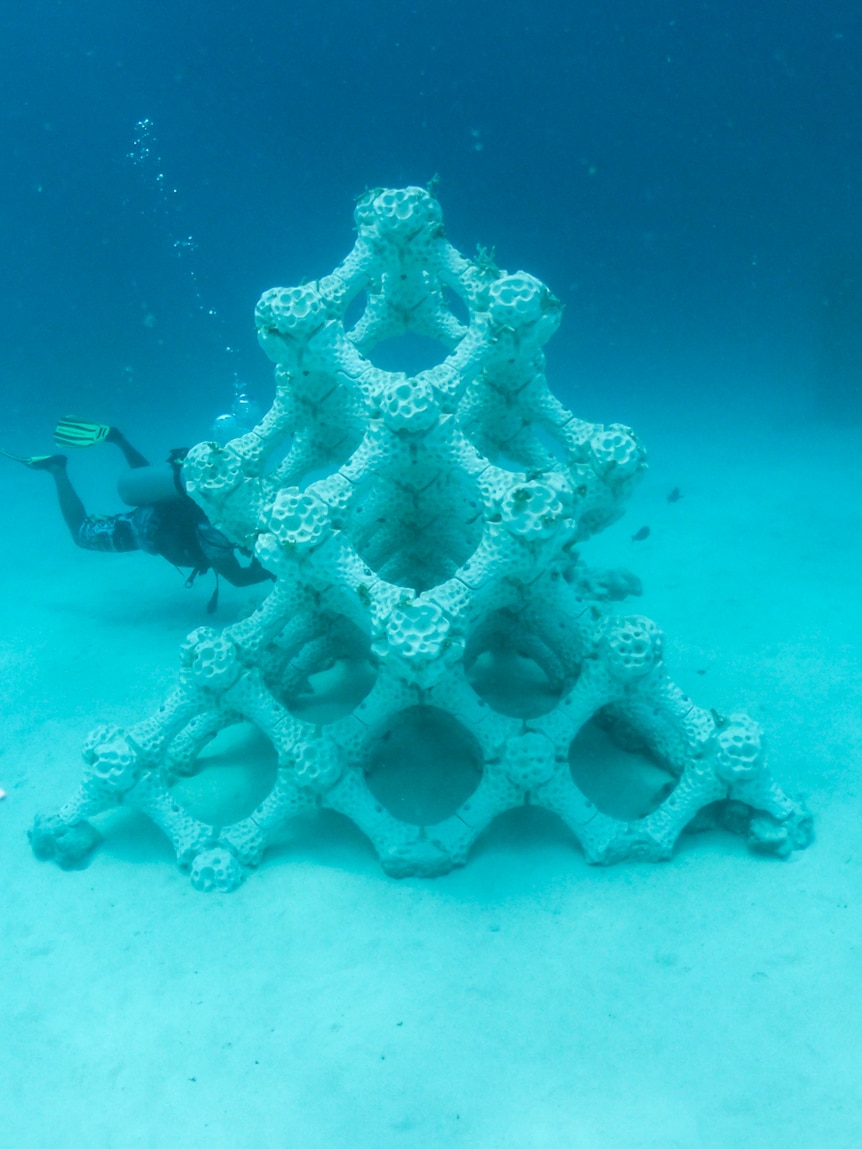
x=163, y=520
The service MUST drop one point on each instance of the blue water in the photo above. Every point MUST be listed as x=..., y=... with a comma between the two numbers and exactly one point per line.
x=687, y=179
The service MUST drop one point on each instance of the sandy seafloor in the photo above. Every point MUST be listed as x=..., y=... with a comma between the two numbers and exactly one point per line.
x=525, y=1001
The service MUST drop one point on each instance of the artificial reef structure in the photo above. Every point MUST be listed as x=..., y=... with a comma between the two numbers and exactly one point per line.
x=424, y=530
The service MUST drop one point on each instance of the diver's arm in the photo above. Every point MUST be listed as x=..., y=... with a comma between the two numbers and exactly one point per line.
x=237, y=575
x=221, y=556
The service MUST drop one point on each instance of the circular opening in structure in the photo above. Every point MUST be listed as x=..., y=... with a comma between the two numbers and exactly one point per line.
x=422, y=765
x=354, y=310
x=520, y=455
x=319, y=668
x=458, y=306
x=233, y=774
x=624, y=782
x=358, y=304
x=510, y=675
x=552, y=442
x=416, y=528
x=410, y=353
x=334, y=691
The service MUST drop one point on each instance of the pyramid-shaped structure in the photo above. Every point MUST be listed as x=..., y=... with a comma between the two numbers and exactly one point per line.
x=424, y=530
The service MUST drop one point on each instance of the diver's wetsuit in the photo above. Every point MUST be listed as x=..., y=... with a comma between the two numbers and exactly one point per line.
x=178, y=530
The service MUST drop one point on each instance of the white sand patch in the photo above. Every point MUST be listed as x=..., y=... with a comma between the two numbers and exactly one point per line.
x=527, y=1001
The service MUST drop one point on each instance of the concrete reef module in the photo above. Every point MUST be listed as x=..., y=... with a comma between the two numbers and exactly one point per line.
x=425, y=535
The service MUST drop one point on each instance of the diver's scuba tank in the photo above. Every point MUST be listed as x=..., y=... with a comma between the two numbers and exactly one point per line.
x=161, y=483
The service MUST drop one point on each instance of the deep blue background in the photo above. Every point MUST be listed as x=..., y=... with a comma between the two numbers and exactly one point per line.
x=686, y=176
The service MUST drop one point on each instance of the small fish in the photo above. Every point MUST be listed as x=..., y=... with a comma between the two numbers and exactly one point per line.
x=640, y=535
x=675, y=495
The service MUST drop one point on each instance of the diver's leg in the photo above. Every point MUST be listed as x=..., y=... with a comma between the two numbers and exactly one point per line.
x=71, y=507
x=132, y=456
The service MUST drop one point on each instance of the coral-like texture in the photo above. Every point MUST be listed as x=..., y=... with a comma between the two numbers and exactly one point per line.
x=422, y=529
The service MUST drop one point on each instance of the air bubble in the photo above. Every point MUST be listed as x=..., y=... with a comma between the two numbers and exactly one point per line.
x=167, y=205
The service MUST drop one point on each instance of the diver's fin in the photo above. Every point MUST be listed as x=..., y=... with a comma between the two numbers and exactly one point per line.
x=76, y=433
x=37, y=462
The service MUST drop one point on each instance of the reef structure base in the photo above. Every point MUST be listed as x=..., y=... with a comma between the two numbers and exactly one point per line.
x=421, y=526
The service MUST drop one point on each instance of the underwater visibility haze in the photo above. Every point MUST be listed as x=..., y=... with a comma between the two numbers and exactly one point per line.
x=675, y=191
